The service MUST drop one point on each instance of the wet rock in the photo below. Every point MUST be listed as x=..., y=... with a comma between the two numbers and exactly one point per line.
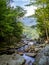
x=20, y=53
x=31, y=54
x=26, y=50
x=43, y=57
x=42, y=45
x=37, y=49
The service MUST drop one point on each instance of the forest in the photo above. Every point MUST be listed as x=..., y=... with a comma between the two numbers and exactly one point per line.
x=10, y=27
x=24, y=32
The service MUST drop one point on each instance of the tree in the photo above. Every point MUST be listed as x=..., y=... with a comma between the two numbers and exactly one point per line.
x=10, y=28
x=42, y=15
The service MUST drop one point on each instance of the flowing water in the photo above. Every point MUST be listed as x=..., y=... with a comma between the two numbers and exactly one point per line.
x=29, y=60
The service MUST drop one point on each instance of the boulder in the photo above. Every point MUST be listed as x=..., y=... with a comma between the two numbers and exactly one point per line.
x=14, y=59
x=26, y=50
x=20, y=53
x=31, y=54
x=37, y=49
x=42, y=57
x=42, y=45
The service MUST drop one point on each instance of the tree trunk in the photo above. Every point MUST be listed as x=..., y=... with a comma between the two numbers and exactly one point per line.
x=47, y=35
x=46, y=31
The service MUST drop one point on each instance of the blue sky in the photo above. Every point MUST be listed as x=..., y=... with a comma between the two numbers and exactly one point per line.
x=30, y=9
x=20, y=2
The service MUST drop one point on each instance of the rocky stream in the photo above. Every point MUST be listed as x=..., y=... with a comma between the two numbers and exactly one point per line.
x=29, y=54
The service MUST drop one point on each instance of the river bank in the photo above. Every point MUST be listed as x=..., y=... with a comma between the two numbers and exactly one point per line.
x=27, y=52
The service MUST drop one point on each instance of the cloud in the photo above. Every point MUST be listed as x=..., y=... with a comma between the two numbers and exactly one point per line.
x=30, y=10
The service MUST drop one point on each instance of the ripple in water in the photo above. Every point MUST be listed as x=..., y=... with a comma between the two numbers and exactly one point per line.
x=29, y=60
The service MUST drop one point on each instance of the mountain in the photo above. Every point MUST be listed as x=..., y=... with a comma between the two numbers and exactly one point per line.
x=30, y=32
x=28, y=21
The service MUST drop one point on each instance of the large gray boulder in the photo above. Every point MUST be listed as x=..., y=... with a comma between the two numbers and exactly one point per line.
x=14, y=59
x=42, y=57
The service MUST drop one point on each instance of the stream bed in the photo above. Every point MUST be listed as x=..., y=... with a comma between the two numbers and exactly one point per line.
x=29, y=60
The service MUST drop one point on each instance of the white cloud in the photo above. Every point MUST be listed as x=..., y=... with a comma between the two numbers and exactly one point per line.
x=30, y=10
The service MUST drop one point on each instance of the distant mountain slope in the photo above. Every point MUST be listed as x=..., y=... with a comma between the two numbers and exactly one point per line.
x=28, y=21
x=30, y=32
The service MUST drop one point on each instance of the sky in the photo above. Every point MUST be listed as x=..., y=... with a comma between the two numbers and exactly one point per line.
x=30, y=9
x=27, y=21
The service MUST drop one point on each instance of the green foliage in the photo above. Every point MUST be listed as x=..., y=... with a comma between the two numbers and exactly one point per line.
x=42, y=15
x=10, y=28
